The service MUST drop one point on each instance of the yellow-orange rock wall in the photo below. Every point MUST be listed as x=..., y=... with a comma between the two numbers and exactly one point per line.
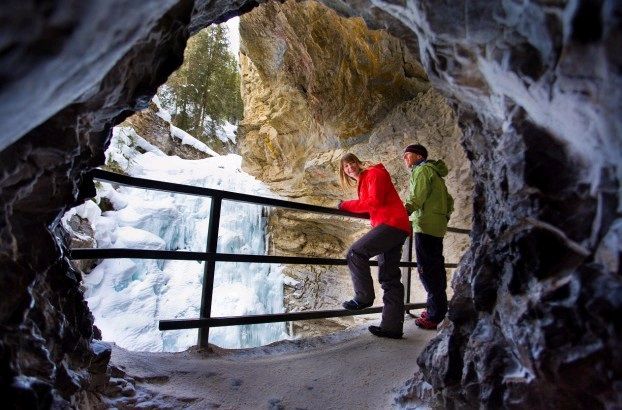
x=315, y=86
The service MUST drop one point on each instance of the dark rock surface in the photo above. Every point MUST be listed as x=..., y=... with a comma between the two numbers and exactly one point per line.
x=80, y=234
x=69, y=71
x=535, y=320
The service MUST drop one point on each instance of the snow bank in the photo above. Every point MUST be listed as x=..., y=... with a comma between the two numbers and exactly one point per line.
x=188, y=139
x=129, y=297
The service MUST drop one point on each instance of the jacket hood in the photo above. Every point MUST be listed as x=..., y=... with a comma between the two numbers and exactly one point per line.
x=378, y=166
x=438, y=166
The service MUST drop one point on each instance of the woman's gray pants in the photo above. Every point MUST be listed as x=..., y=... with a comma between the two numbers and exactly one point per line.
x=386, y=242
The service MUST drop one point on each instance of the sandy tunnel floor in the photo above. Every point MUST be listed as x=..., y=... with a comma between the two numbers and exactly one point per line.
x=347, y=370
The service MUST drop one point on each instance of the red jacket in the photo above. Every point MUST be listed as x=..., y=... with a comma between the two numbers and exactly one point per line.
x=378, y=198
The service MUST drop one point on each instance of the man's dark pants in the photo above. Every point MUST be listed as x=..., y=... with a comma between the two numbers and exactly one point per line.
x=431, y=267
x=386, y=242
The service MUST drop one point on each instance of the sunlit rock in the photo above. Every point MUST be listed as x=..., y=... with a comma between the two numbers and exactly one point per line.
x=315, y=91
x=314, y=82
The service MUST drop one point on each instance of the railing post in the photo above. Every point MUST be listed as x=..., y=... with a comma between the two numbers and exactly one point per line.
x=208, y=272
x=408, y=277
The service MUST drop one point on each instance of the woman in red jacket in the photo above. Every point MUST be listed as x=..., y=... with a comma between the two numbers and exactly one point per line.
x=378, y=198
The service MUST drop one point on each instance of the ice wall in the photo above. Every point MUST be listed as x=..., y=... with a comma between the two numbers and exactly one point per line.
x=129, y=296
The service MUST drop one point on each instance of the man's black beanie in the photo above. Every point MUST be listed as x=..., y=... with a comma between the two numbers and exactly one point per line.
x=417, y=149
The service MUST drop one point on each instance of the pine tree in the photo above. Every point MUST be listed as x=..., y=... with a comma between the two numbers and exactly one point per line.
x=205, y=91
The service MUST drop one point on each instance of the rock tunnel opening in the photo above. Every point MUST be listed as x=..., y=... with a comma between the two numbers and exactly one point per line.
x=56, y=129
x=366, y=57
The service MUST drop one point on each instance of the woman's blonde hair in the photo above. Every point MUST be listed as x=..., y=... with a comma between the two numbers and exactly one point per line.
x=345, y=179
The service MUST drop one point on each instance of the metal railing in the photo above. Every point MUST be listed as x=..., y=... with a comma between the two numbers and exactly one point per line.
x=210, y=256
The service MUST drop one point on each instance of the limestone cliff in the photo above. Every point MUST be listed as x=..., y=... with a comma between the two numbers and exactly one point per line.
x=315, y=86
x=312, y=82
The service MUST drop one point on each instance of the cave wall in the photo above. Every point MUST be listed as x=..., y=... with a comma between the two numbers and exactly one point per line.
x=536, y=87
x=69, y=71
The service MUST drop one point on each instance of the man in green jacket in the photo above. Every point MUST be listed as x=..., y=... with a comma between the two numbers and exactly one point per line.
x=429, y=206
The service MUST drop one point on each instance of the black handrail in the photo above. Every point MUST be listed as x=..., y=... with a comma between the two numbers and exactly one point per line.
x=178, y=324
x=210, y=256
x=115, y=253
x=126, y=180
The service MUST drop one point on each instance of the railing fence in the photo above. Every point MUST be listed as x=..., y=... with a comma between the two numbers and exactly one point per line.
x=211, y=256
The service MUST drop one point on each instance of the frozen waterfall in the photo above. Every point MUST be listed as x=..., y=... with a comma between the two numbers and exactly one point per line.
x=129, y=296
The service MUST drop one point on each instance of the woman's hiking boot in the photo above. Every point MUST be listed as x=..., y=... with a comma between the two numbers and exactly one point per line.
x=354, y=305
x=380, y=332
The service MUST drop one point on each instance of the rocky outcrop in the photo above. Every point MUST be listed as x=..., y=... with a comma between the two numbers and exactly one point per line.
x=157, y=131
x=80, y=234
x=303, y=111
x=536, y=89
x=312, y=82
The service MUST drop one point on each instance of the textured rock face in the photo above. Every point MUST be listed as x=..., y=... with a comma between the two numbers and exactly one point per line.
x=82, y=236
x=312, y=81
x=68, y=72
x=535, y=317
x=352, y=89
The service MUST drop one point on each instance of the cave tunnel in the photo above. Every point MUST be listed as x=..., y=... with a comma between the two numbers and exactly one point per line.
x=536, y=90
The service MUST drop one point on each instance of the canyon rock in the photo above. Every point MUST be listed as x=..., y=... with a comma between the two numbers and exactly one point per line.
x=81, y=235
x=312, y=82
x=317, y=90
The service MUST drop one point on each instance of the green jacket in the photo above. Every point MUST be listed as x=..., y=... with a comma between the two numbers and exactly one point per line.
x=428, y=202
